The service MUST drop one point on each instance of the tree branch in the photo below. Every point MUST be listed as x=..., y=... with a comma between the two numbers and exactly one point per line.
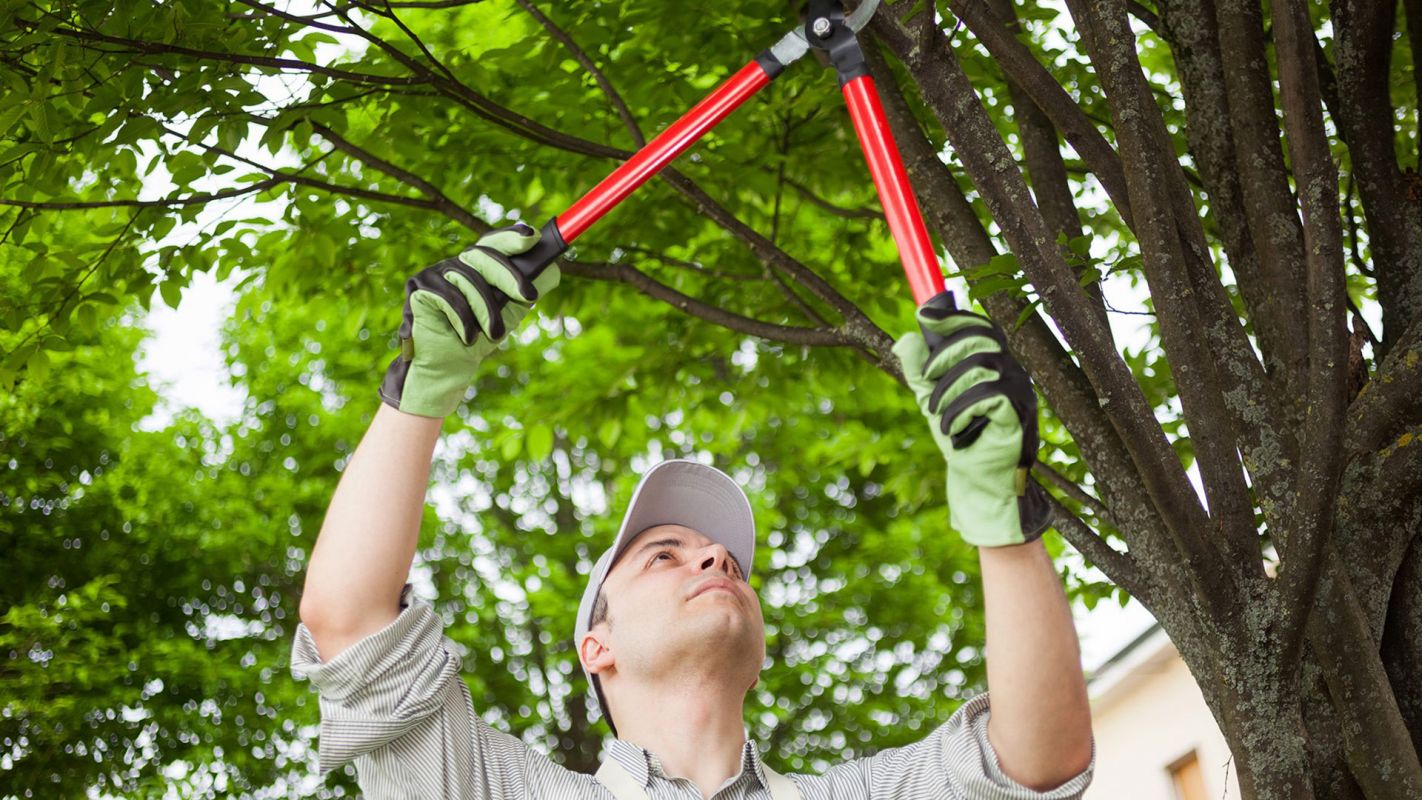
x=1269, y=207
x=578, y=54
x=625, y=273
x=1389, y=401
x=480, y=105
x=442, y=202
x=1118, y=566
x=1043, y=155
x=1070, y=488
x=1154, y=181
x=1303, y=548
x=191, y=200
x=856, y=326
x=301, y=180
x=693, y=266
x=868, y=213
x=268, y=62
x=1379, y=751
x=1018, y=63
x=1362, y=50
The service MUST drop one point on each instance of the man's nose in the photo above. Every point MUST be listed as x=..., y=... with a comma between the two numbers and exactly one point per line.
x=716, y=557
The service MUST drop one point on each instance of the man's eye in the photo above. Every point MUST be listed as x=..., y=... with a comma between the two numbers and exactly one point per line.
x=666, y=553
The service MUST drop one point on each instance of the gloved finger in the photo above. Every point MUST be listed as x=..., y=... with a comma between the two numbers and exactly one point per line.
x=513, y=313
x=1011, y=406
x=484, y=299
x=977, y=369
x=912, y=352
x=961, y=345
x=946, y=322
x=495, y=247
x=512, y=240
x=959, y=334
x=500, y=272
x=446, y=300
x=991, y=415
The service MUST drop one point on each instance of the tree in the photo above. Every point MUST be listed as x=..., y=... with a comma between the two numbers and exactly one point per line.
x=1063, y=158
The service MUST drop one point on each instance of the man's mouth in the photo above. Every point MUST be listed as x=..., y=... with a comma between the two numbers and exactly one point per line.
x=713, y=585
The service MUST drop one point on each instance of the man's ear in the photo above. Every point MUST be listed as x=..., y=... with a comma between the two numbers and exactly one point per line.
x=595, y=652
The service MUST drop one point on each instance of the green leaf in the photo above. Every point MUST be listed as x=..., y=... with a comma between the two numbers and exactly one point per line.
x=1027, y=313
x=172, y=293
x=609, y=432
x=38, y=367
x=510, y=448
x=539, y=442
x=9, y=115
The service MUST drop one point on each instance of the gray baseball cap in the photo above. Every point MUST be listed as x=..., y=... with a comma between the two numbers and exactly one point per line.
x=675, y=492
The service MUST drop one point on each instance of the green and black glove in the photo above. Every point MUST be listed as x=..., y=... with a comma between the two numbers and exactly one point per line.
x=983, y=415
x=455, y=314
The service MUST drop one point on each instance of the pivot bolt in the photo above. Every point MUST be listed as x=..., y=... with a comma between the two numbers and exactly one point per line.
x=821, y=27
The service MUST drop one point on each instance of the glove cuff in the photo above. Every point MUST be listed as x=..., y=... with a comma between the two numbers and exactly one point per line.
x=1034, y=509
x=995, y=516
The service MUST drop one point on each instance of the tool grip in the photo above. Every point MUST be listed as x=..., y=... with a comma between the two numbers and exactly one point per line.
x=550, y=245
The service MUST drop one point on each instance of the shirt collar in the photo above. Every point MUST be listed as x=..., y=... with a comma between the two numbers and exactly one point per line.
x=642, y=764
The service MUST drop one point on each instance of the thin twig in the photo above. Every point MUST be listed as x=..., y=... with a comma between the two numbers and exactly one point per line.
x=449, y=207
x=868, y=212
x=65, y=205
x=579, y=55
x=1071, y=489
x=687, y=265
x=626, y=273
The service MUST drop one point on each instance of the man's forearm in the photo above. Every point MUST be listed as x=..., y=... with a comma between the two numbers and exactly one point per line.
x=367, y=542
x=1041, y=719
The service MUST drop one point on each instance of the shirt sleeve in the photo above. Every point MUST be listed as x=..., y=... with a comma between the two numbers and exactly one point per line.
x=395, y=705
x=955, y=761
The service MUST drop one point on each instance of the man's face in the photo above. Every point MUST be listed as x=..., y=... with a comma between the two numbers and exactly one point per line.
x=675, y=598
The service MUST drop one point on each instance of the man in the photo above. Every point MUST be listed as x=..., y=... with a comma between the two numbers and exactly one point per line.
x=668, y=630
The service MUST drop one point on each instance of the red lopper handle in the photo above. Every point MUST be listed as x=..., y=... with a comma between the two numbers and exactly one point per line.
x=925, y=277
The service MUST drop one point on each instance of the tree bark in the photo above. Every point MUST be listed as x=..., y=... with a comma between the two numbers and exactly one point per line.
x=1363, y=51
x=1376, y=741
x=1402, y=637
x=1270, y=209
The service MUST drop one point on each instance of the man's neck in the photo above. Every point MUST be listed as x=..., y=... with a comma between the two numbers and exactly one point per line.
x=696, y=728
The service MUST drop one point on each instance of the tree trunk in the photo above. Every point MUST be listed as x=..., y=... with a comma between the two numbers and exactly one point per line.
x=1402, y=641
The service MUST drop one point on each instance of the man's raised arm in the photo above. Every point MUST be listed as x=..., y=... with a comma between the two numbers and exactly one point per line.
x=1041, y=718
x=367, y=542
x=363, y=554
x=982, y=413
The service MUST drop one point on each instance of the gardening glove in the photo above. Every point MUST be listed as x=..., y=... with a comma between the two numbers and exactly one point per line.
x=455, y=314
x=983, y=416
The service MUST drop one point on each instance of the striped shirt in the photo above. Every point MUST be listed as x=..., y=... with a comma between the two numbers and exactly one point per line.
x=395, y=705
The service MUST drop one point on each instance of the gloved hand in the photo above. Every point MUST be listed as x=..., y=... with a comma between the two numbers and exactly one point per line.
x=451, y=320
x=983, y=415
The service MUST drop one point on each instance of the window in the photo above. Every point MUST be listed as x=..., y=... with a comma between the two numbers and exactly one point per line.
x=1189, y=782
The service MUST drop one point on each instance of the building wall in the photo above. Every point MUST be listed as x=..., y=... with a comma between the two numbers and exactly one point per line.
x=1146, y=717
